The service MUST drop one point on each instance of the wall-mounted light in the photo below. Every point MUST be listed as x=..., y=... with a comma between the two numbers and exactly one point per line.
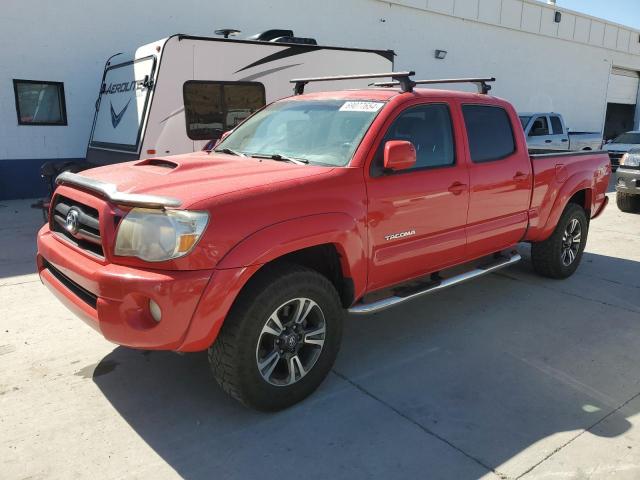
x=558, y=17
x=441, y=54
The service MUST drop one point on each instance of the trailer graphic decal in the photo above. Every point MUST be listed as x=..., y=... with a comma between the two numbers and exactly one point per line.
x=287, y=52
x=116, y=117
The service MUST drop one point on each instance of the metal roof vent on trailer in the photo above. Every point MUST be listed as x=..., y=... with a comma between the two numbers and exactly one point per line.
x=281, y=36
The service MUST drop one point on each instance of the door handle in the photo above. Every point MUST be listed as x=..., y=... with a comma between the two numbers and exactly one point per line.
x=565, y=139
x=457, y=188
x=547, y=141
x=519, y=176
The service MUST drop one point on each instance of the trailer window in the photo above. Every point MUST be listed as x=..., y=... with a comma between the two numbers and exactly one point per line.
x=39, y=102
x=489, y=131
x=212, y=108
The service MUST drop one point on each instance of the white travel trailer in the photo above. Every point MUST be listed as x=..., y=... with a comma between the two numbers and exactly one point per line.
x=174, y=95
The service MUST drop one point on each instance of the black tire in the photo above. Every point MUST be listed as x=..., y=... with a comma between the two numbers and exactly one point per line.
x=550, y=256
x=234, y=355
x=628, y=202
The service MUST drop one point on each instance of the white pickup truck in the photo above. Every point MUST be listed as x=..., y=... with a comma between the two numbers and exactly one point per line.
x=547, y=131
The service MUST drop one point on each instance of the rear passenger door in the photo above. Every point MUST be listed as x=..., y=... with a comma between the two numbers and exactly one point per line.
x=500, y=180
x=416, y=217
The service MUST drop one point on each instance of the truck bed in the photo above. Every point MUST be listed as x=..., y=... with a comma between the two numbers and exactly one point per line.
x=555, y=175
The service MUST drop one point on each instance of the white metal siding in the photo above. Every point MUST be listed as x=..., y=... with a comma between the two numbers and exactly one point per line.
x=540, y=64
x=623, y=87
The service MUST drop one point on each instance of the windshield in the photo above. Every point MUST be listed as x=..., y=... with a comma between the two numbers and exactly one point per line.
x=524, y=121
x=628, y=137
x=318, y=131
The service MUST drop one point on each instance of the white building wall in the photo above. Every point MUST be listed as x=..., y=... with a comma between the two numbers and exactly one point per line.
x=539, y=64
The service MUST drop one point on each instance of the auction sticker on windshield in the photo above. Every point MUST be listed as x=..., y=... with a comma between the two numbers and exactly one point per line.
x=361, y=106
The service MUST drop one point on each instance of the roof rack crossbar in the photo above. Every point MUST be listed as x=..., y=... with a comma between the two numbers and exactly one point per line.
x=400, y=78
x=481, y=83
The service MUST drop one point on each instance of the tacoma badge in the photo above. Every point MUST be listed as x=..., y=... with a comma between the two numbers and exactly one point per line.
x=395, y=236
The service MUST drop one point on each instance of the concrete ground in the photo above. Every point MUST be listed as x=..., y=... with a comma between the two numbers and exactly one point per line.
x=510, y=376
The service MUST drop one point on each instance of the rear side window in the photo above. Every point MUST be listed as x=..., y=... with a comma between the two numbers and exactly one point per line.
x=212, y=108
x=428, y=128
x=489, y=132
x=557, y=125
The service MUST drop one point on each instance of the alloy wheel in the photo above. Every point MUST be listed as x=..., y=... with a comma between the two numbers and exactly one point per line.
x=571, y=240
x=290, y=342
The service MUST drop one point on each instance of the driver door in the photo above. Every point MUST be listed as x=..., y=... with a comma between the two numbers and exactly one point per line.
x=417, y=217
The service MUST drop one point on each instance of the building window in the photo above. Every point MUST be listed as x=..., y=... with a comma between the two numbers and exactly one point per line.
x=212, y=108
x=40, y=103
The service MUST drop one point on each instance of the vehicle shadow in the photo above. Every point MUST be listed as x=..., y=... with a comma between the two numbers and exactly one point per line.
x=505, y=370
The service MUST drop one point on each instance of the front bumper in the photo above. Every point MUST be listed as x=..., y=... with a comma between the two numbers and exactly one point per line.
x=628, y=180
x=114, y=299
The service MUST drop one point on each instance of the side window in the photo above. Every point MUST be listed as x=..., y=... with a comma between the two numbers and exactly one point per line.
x=211, y=108
x=557, y=125
x=429, y=128
x=540, y=127
x=489, y=132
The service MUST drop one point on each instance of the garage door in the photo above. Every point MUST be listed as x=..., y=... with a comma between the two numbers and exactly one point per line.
x=623, y=86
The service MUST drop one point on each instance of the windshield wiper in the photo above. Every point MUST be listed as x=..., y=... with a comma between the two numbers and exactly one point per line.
x=228, y=151
x=281, y=158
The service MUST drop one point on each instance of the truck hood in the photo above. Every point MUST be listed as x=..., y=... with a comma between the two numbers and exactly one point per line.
x=620, y=147
x=199, y=176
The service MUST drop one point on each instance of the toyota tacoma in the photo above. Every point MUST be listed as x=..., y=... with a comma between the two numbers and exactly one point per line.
x=317, y=205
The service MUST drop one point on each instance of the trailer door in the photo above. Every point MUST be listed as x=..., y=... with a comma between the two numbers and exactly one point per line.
x=122, y=105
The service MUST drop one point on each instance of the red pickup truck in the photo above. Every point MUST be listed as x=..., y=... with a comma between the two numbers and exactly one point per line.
x=316, y=205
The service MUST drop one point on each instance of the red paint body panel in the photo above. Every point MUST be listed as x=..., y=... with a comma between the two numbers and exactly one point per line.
x=123, y=293
x=261, y=210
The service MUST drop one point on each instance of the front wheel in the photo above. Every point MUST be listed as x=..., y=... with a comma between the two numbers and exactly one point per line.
x=280, y=339
x=559, y=255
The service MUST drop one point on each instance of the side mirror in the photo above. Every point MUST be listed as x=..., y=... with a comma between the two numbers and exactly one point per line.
x=226, y=134
x=211, y=144
x=399, y=155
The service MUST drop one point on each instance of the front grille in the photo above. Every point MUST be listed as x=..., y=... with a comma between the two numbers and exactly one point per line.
x=87, y=235
x=615, y=158
x=85, y=295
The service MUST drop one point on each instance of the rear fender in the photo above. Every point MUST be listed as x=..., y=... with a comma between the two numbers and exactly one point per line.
x=575, y=183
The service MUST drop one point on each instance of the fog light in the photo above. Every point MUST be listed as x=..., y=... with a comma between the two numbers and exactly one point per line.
x=156, y=313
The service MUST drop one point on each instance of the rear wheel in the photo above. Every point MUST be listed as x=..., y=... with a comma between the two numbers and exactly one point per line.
x=560, y=254
x=280, y=339
x=628, y=202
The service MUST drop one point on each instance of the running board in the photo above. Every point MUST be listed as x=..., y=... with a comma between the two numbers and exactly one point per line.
x=434, y=286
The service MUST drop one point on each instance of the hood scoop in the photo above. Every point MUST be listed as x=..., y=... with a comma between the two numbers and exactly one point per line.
x=157, y=162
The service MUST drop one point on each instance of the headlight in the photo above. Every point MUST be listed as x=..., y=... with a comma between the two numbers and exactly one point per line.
x=158, y=235
x=631, y=159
